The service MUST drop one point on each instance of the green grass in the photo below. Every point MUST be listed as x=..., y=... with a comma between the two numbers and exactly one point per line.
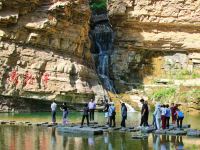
x=163, y=94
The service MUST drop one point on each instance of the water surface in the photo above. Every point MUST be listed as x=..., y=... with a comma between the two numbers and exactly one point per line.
x=42, y=138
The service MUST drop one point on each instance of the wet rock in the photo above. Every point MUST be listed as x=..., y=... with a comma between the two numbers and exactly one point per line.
x=160, y=131
x=176, y=132
x=84, y=130
x=141, y=136
x=193, y=133
x=147, y=129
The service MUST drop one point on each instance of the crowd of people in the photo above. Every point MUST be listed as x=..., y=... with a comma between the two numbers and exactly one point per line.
x=161, y=114
x=164, y=112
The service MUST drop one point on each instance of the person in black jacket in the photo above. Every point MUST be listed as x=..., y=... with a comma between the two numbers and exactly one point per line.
x=85, y=115
x=124, y=114
x=144, y=113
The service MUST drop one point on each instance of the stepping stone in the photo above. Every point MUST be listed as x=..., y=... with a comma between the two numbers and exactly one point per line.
x=193, y=133
x=176, y=132
x=27, y=122
x=83, y=130
x=133, y=130
x=116, y=128
x=123, y=130
x=44, y=122
x=147, y=130
x=12, y=123
x=160, y=131
x=104, y=127
x=186, y=126
x=139, y=136
x=4, y=122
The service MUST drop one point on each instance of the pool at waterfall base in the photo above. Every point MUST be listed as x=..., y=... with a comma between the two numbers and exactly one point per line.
x=14, y=137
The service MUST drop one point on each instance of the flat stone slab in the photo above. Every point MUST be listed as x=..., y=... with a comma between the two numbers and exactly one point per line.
x=147, y=129
x=193, y=133
x=176, y=132
x=84, y=130
x=140, y=136
x=160, y=131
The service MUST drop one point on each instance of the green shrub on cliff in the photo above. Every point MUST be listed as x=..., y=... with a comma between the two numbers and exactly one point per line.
x=98, y=5
x=163, y=94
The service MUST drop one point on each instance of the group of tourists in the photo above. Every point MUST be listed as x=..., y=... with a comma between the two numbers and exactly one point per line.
x=88, y=113
x=161, y=114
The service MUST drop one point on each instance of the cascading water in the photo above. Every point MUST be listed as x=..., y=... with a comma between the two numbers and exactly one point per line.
x=102, y=37
x=101, y=34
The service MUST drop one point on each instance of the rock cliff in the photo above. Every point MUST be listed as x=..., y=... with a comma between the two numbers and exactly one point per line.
x=45, y=51
x=157, y=45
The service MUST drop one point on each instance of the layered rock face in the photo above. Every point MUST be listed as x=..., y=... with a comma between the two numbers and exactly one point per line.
x=154, y=39
x=45, y=50
x=157, y=46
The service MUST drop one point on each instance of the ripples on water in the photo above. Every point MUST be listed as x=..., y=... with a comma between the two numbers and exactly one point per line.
x=41, y=138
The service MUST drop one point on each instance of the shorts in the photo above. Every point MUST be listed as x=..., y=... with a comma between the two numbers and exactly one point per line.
x=106, y=115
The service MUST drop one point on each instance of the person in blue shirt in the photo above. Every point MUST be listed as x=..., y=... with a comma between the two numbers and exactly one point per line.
x=111, y=114
x=180, y=116
x=167, y=115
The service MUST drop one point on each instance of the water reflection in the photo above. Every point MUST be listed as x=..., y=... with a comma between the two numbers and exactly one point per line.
x=53, y=138
x=38, y=138
x=165, y=142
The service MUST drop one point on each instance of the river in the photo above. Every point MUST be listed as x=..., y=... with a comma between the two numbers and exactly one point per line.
x=14, y=137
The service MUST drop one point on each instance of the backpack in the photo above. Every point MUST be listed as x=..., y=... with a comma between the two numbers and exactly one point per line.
x=112, y=110
x=180, y=114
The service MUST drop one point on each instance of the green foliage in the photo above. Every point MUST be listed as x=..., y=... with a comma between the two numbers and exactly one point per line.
x=185, y=74
x=98, y=4
x=163, y=94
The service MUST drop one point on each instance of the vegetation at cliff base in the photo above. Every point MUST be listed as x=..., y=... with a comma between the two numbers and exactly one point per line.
x=163, y=94
x=98, y=4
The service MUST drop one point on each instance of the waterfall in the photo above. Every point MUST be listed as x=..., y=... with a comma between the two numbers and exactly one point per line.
x=101, y=34
x=102, y=37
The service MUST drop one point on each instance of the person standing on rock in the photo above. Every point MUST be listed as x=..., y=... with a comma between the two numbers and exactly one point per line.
x=157, y=114
x=85, y=115
x=53, y=111
x=144, y=113
x=106, y=107
x=124, y=115
x=111, y=114
x=173, y=112
x=167, y=115
x=92, y=107
x=179, y=116
x=65, y=112
x=163, y=118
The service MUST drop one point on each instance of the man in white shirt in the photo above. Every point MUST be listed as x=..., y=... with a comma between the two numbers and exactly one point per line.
x=53, y=111
x=92, y=107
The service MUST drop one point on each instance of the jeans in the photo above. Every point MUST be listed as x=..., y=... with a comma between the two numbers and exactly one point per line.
x=65, y=117
x=83, y=118
x=112, y=121
x=144, y=120
x=179, y=120
x=91, y=114
x=53, y=113
x=123, y=123
x=167, y=122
